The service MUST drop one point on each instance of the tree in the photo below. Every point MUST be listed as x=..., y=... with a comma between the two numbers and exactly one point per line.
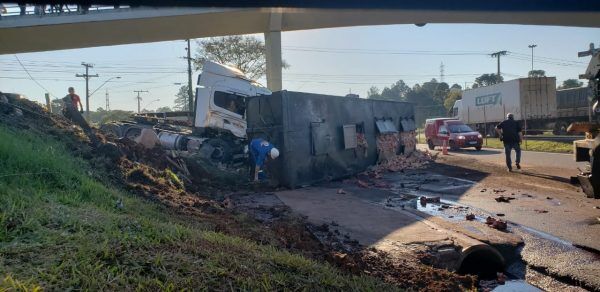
x=181, y=99
x=163, y=109
x=488, y=79
x=570, y=83
x=436, y=90
x=537, y=73
x=452, y=97
x=246, y=53
x=456, y=86
x=396, y=91
x=373, y=93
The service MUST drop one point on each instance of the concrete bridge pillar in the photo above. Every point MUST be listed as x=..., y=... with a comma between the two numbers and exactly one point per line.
x=273, y=52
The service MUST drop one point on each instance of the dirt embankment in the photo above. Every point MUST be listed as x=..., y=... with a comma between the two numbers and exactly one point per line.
x=155, y=175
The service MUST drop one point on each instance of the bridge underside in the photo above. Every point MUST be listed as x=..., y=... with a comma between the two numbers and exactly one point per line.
x=20, y=34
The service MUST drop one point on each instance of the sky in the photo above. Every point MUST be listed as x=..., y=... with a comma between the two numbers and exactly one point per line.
x=328, y=61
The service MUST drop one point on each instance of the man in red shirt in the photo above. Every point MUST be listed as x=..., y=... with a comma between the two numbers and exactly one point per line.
x=73, y=99
x=70, y=110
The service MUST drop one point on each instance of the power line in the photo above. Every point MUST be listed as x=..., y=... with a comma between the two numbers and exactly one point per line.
x=31, y=77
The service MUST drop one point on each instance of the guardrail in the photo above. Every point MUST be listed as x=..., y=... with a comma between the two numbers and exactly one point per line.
x=15, y=10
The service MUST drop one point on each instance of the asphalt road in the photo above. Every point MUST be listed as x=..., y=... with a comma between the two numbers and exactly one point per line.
x=562, y=164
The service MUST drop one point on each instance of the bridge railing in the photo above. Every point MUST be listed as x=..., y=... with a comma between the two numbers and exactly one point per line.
x=12, y=9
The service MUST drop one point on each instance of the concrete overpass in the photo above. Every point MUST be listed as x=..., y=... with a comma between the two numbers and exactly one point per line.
x=32, y=33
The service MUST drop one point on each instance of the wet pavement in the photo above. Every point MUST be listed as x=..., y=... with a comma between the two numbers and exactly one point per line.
x=538, y=232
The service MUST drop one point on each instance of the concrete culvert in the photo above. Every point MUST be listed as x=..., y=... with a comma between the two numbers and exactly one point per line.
x=481, y=260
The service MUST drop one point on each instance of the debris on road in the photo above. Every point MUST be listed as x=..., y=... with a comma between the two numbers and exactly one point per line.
x=341, y=192
x=540, y=211
x=470, y=217
x=496, y=223
x=424, y=200
x=503, y=199
x=362, y=184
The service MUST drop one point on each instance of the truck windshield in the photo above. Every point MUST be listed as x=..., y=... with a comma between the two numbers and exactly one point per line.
x=459, y=128
x=231, y=102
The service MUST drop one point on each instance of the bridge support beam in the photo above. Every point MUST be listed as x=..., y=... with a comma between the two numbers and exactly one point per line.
x=273, y=52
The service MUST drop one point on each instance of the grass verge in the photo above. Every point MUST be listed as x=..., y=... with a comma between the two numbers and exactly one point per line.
x=62, y=230
x=530, y=145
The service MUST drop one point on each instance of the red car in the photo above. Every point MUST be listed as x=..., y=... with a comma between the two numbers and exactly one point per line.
x=454, y=131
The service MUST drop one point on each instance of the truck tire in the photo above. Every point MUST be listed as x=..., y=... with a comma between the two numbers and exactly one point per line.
x=111, y=129
x=430, y=145
x=132, y=132
x=560, y=128
x=478, y=148
x=221, y=151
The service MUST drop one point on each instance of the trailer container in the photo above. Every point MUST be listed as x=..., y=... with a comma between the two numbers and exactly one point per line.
x=530, y=100
x=323, y=137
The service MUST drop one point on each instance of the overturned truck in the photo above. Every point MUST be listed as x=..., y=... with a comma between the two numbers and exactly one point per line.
x=323, y=137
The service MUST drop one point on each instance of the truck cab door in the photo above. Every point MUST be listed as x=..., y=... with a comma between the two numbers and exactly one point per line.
x=227, y=109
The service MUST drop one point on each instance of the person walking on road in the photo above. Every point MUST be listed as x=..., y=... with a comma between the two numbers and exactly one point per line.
x=511, y=135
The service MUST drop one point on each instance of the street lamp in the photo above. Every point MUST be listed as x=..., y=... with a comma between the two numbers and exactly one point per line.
x=109, y=79
x=531, y=47
x=149, y=103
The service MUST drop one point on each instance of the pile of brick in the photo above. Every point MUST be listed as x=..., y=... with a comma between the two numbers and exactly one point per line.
x=409, y=141
x=412, y=160
x=387, y=146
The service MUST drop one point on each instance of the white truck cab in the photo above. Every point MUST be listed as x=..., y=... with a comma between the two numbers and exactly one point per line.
x=221, y=98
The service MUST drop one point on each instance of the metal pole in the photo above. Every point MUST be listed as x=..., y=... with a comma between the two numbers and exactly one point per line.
x=532, y=46
x=48, y=104
x=87, y=77
x=87, y=92
x=190, y=91
x=486, y=126
x=139, y=99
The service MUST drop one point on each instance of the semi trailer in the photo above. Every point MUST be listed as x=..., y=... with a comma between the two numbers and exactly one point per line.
x=534, y=101
x=319, y=136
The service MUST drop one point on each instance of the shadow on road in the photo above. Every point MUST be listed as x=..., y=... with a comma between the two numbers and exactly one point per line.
x=478, y=152
x=547, y=176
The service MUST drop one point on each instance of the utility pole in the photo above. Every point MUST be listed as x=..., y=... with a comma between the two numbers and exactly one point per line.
x=107, y=101
x=497, y=55
x=87, y=77
x=442, y=72
x=531, y=47
x=139, y=98
x=190, y=91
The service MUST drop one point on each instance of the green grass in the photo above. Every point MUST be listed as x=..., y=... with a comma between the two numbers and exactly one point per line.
x=60, y=230
x=530, y=145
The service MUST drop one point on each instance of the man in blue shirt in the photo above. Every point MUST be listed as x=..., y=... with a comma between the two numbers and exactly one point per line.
x=259, y=149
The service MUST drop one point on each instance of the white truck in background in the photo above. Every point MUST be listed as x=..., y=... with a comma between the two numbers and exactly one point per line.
x=532, y=101
x=216, y=127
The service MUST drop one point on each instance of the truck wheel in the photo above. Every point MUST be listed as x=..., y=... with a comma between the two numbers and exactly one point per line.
x=430, y=145
x=132, y=133
x=221, y=151
x=111, y=129
x=560, y=128
x=478, y=148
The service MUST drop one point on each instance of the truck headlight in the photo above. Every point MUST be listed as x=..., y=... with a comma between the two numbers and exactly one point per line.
x=479, y=136
x=461, y=137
